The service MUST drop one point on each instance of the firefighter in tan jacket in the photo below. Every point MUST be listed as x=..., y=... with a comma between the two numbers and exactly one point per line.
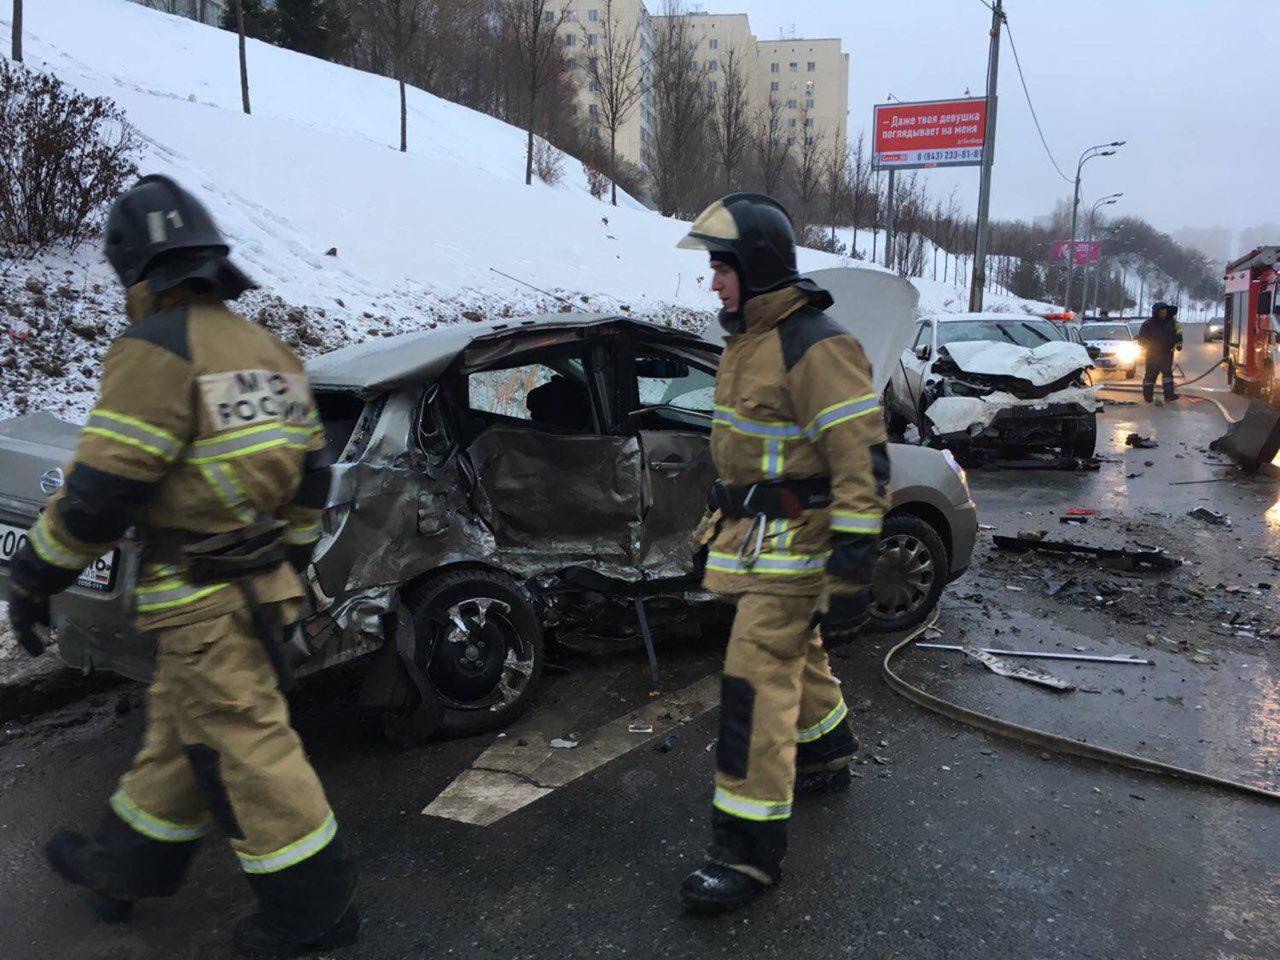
x=792, y=535
x=205, y=439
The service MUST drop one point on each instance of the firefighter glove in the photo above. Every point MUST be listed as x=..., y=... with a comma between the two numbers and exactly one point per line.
x=844, y=617
x=29, y=616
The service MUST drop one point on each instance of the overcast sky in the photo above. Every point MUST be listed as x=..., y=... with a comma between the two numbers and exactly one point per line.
x=1190, y=84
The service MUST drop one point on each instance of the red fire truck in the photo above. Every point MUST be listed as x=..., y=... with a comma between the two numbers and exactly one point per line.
x=1251, y=341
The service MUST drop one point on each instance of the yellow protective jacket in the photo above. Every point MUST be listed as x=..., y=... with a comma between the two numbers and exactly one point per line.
x=793, y=400
x=205, y=422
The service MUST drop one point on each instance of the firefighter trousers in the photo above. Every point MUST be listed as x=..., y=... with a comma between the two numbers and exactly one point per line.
x=1158, y=364
x=781, y=709
x=219, y=748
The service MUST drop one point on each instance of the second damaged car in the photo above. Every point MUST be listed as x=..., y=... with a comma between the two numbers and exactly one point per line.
x=503, y=485
x=995, y=387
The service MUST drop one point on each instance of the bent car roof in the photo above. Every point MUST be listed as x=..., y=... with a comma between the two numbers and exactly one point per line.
x=377, y=365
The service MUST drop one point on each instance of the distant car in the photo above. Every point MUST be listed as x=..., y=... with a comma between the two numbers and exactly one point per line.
x=1215, y=329
x=502, y=480
x=995, y=386
x=1118, y=350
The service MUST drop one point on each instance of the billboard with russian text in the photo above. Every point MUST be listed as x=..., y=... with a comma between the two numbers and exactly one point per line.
x=933, y=133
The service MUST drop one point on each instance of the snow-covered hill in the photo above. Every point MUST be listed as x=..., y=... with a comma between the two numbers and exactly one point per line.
x=315, y=168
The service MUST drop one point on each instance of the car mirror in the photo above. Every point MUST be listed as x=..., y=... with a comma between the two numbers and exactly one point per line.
x=1094, y=352
x=654, y=368
x=923, y=352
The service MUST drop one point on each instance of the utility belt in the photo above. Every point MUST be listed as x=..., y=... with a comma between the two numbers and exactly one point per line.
x=772, y=499
x=236, y=557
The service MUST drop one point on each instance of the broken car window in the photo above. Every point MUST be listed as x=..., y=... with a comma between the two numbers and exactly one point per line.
x=537, y=392
x=666, y=381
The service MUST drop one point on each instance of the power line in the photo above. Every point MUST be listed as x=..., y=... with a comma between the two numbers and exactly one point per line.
x=1030, y=105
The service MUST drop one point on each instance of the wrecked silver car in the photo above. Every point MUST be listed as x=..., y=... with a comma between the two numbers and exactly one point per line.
x=498, y=485
x=995, y=386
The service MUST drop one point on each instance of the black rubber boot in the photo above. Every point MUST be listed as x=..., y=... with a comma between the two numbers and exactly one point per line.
x=822, y=765
x=257, y=937
x=302, y=908
x=716, y=888
x=73, y=857
x=119, y=866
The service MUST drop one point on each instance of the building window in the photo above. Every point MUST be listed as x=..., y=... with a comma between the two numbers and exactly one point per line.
x=549, y=17
x=808, y=104
x=593, y=15
x=808, y=87
x=570, y=39
x=592, y=110
x=593, y=87
x=569, y=16
x=713, y=66
x=712, y=86
x=593, y=131
x=792, y=123
x=713, y=43
x=812, y=67
x=791, y=104
x=808, y=141
x=793, y=66
x=773, y=68
x=808, y=121
x=591, y=39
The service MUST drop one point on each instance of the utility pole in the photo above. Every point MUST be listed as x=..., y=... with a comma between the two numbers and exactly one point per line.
x=17, y=31
x=988, y=155
x=888, y=224
x=244, y=64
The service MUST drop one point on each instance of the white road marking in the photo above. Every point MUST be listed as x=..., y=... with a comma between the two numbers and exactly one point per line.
x=507, y=776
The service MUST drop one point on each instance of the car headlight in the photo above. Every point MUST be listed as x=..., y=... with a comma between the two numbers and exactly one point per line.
x=958, y=470
x=1128, y=353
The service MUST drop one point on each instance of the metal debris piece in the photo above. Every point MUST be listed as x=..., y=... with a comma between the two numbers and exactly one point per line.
x=640, y=728
x=666, y=744
x=1044, y=654
x=1140, y=442
x=1210, y=516
x=1155, y=559
x=998, y=666
x=1254, y=440
x=564, y=743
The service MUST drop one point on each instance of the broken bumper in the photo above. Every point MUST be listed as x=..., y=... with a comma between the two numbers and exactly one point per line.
x=1047, y=425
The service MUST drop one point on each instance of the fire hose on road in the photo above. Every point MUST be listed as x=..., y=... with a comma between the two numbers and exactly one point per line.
x=1043, y=739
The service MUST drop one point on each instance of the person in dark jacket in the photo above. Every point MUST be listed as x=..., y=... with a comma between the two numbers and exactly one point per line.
x=1160, y=337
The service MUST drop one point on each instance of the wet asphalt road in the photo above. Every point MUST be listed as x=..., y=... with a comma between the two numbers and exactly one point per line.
x=952, y=844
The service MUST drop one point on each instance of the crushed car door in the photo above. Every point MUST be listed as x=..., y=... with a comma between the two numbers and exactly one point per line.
x=665, y=397
x=554, y=488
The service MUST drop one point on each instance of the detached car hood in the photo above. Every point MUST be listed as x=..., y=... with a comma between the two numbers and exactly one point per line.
x=1039, y=366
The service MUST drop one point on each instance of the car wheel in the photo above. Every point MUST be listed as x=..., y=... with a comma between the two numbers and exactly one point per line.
x=1084, y=441
x=911, y=572
x=479, y=643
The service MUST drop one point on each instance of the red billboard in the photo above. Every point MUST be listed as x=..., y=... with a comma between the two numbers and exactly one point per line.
x=1081, y=253
x=933, y=133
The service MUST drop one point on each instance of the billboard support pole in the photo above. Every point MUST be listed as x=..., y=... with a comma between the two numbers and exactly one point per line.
x=888, y=224
x=988, y=155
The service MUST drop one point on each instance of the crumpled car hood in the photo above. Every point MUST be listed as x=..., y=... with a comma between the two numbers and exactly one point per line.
x=1039, y=366
x=958, y=414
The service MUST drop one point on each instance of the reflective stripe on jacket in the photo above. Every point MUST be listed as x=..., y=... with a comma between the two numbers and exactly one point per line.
x=204, y=422
x=794, y=399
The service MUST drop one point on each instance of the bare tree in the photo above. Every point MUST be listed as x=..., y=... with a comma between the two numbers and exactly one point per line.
x=396, y=26
x=808, y=171
x=613, y=70
x=682, y=108
x=862, y=197
x=532, y=30
x=771, y=147
x=835, y=188
x=244, y=63
x=730, y=115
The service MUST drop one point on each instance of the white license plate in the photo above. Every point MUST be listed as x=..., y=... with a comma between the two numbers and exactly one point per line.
x=99, y=575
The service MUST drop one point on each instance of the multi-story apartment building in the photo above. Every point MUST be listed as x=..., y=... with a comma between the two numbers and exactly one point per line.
x=807, y=79
x=582, y=27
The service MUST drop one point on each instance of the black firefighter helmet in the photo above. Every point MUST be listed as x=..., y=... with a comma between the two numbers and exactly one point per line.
x=756, y=234
x=158, y=232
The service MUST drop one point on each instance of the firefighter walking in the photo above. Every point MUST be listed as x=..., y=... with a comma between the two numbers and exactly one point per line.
x=1160, y=336
x=205, y=439
x=792, y=535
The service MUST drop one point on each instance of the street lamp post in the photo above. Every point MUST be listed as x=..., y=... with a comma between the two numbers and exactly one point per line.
x=1098, y=150
x=1106, y=201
